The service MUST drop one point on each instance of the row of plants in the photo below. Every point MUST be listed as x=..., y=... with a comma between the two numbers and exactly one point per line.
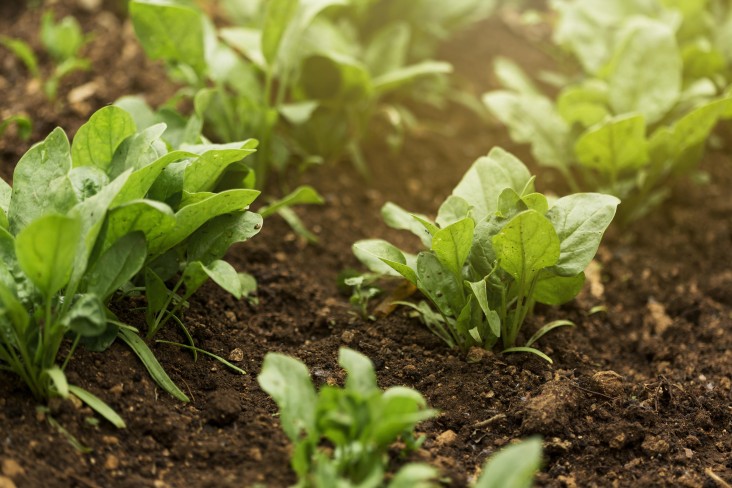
x=143, y=203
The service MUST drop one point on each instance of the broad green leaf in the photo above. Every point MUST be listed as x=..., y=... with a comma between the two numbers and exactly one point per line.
x=173, y=33
x=247, y=41
x=536, y=201
x=151, y=363
x=511, y=76
x=117, y=265
x=580, y=221
x=302, y=195
x=46, y=249
x=191, y=217
x=526, y=245
x=154, y=219
x=156, y=293
x=62, y=40
x=333, y=77
x=277, y=18
x=483, y=183
x=454, y=208
x=136, y=107
x=584, y=104
x=397, y=218
x=614, y=146
x=204, y=172
x=382, y=257
x=557, y=290
x=41, y=183
x=141, y=180
x=288, y=382
x=97, y=140
x=513, y=466
x=646, y=70
x=439, y=284
x=98, y=406
x=533, y=119
x=214, y=238
x=5, y=194
x=224, y=275
x=87, y=316
x=452, y=244
x=361, y=376
x=388, y=49
x=691, y=132
x=138, y=150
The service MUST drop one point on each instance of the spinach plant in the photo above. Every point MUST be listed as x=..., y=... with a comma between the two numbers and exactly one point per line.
x=513, y=466
x=62, y=41
x=114, y=211
x=294, y=76
x=652, y=86
x=358, y=423
x=496, y=249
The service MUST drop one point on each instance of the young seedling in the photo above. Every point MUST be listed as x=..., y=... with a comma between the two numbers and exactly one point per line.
x=496, y=249
x=653, y=86
x=118, y=211
x=513, y=466
x=359, y=421
x=62, y=41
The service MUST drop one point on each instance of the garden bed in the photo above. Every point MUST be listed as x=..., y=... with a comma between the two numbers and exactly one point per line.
x=639, y=394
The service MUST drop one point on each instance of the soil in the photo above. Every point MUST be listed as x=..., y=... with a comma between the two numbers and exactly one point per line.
x=639, y=394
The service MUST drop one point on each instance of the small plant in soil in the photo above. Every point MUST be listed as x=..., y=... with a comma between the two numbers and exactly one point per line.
x=496, y=249
x=653, y=84
x=513, y=466
x=297, y=75
x=62, y=41
x=114, y=212
x=341, y=436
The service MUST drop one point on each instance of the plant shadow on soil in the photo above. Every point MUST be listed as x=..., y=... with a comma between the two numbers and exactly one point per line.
x=638, y=395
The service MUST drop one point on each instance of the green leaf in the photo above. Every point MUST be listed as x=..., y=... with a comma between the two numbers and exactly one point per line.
x=98, y=139
x=117, y=265
x=224, y=275
x=580, y=221
x=151, y=363
x=480, y=292
x=63, y=39
x=438, y=283
x=397, y=218
x=194, y=276
x=513, y=466
x=397, y=78
x=334, y=77
x=46, y=250
x=302, y=195
x=547, y=328
x=58, y=378
x=483, y=183
x=173, y=33
x=277, y=17
x=87, y=317
x=530, y=350
x=154, y=219
x=361, y=376
x=452, y=244
x=288, y=382
x=645, y=73
x=382, y=257
x=454, y=208
x=191, y=217
x=24, y=52
x=204, y=172
x=526, y=245
x=414, y=475
x=41, y=183
x=138, y=150
x=98, y=406
x=616, y=145
x=214, y=238
x=556, y=290
x=584, y=104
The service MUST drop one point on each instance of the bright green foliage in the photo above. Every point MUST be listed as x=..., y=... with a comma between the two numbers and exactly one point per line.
x=359, y=421
x=497, y=248
x=114, y=211
x=62, y=41
x=513, y=466
x=304, y=77
x=653, y=86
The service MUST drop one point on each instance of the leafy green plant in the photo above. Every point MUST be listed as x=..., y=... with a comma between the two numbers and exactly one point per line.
x=341, y=436
x=295, y=75
x=652, y=87
x=62, y=41
x=496, y=249
x=22, y=122
x=513, y=466
x=114, y=211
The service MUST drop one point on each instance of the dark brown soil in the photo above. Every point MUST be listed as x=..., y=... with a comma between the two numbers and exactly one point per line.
x=639, y=395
